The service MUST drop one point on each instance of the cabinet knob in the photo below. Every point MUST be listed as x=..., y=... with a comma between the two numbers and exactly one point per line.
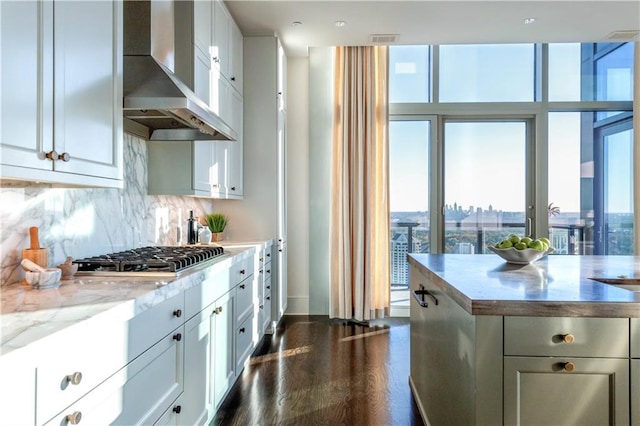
x=241, y=330
x=242, y=286
x=177, y=337
x=52, y=155
x=233, y=79
x=568, y=367
x=218, y=310
x=567, y=338
x=268, y=271
x=268, y=297
x=177, y=313
x=215, y=185
x=261, y=306
x=177, y=409
x=74, y=418
x=242, y=272
x=64, y=157
x=268, y=287
x=233, y=188
x=74, y=378
x=215, y=59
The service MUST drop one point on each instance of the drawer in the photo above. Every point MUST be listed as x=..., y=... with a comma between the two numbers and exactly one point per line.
x=244, y=299
x=138, y=393
x=264, y=320
x=580, y=337
x=635, y=392
x=635, y=339
x=208, y=291
x=241, y=270
x=244, y=343
x=83, y=356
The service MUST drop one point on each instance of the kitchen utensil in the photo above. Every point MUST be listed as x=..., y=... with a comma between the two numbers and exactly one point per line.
x=35, y=253
x=30, y=266
x=68, y=268
x=45, y=278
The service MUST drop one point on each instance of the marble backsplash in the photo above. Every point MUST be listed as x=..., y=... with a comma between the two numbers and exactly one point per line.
x=81, y=222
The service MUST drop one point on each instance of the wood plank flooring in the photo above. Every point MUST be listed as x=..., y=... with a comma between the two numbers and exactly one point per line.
x=317, y=371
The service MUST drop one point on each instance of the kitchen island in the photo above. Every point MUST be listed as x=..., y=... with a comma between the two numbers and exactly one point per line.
x=496, y=343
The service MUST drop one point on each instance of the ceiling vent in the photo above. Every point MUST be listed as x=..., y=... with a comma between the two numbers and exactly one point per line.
x=383, y=38
x=630, y=35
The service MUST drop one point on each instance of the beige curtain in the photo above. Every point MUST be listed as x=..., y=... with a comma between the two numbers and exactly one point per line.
x=359, y=223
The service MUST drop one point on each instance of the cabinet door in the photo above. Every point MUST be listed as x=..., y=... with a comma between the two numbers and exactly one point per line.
x=202, y=75
x=635, y=337
x=26, y=77
x=235, y=170
x=221, y=32
x=635, y=392
x=566, y=391
x=235, y=73
x=223, y=347
x=88, y=87
x=174, y=414
x=205, y=171
x=203, y=26
x=197, y=402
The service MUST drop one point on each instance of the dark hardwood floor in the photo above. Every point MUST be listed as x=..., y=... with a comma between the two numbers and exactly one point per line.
x=317, y=371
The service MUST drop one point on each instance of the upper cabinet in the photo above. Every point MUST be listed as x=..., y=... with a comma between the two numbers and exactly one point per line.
x=61, y=85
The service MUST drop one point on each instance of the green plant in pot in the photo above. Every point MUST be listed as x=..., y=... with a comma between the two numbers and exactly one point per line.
x=216, y=223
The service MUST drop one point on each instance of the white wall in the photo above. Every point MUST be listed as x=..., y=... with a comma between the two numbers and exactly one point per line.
x=298, y=186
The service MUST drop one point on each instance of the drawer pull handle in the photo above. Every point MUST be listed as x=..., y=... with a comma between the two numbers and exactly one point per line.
x=242, y=286
x=268, y=271
x=567, y=338
x=568, y=367
x=75, y=378
x=74, y=418
x=419, y=296
x=268, y=287
x=268, y=297
x=242, y=330
x=242, y=271
x=218, y=310
x=177, y=337
x=268, y=254
x=177, y=313
x=177, y=409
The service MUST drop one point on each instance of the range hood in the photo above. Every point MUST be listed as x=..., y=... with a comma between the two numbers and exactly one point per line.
x=157, y=104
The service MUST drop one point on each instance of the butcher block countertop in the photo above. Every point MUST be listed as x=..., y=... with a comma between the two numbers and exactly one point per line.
x=555, y=286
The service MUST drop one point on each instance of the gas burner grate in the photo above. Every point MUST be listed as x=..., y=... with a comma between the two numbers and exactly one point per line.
x=159, y=259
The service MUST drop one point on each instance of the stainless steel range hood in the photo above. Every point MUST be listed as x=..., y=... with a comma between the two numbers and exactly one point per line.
x=157, y=104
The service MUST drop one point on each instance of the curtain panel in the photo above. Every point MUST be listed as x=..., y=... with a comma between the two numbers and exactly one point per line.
x=359, y=223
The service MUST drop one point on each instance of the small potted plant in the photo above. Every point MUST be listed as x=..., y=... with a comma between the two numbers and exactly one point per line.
x=216, y=223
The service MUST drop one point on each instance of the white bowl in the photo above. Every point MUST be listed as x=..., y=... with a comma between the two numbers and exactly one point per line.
x=50, y=278
x=520, y=257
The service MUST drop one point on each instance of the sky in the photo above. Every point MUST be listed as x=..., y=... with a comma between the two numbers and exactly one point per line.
x=484, y=162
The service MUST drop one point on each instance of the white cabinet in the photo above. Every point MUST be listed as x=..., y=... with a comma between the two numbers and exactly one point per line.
x=134, y=364
x=227, y=45
x=137, y=394
x=18, y=392
x=222, y=324
x=262, y=213
x=61, y=84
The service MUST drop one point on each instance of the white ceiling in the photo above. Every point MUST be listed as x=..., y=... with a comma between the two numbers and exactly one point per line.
x=433, y=21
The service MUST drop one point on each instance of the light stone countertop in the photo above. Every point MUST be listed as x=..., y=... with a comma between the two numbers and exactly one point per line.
x=553, y=286
x=28, y=315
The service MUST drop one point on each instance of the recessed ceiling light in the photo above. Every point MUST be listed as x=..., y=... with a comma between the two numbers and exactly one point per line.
x=529, y=21
x=296, y=24
x=340, y=24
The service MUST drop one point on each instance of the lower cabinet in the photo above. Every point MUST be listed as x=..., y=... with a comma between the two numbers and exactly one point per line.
x=17, y=389
x=566, y=391
x=635, y=392
x=223, y=373
x=173, y=415
x=138, y=393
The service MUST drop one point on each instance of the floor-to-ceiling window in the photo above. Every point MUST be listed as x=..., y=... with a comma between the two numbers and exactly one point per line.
x=534, y=139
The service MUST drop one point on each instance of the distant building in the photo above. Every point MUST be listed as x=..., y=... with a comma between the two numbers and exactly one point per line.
x=464, y=248
x=399, y=265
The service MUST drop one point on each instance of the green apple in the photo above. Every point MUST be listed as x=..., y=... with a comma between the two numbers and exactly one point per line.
x=513, y=238
x=504, y=244
x=545, y=240
x=537, y=245
x=526, y=240
x=520, y=246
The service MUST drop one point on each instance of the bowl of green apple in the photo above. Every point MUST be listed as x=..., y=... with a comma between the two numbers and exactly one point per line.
x=521, y=250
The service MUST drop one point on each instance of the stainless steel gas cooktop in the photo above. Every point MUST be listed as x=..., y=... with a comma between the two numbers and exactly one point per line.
x=164, y=261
